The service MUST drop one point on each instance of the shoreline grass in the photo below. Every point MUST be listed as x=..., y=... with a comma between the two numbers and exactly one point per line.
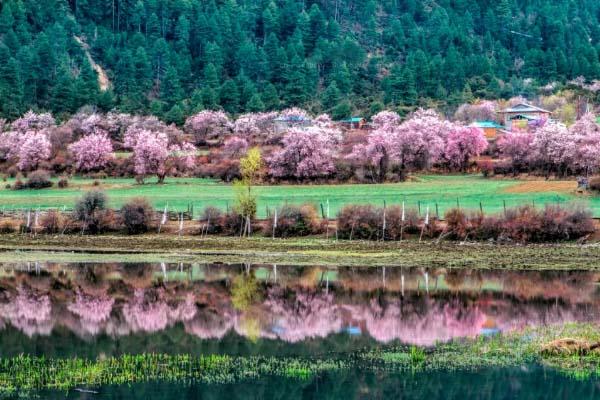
x=27, y=373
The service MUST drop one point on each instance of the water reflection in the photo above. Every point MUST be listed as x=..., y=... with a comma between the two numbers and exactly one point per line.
x=288, y=304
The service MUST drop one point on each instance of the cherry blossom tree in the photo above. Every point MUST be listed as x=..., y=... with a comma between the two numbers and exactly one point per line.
x=255, y=125
x=553, y=147
x=153, y=155
x=518, y=147
x=586, y=132
x=32, y=148
x=209, y=125
x=32, y=121
x=420, y=140
x=92, y=152
x=463, y=143
x=481, y=111
x=235, y=147
x=385, y=118
x=375, y=154
x=306, y=153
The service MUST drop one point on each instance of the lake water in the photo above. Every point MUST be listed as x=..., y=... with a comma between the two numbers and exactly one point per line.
x=101, y=310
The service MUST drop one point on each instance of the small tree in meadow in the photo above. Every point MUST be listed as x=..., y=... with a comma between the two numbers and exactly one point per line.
x=245, y=199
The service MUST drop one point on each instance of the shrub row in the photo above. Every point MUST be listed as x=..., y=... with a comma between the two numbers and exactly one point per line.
x=522, y=224
x=366, y=222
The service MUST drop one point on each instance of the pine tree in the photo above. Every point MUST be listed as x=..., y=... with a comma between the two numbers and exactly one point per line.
x=255, y=104
x=230, y=96
x=270, y=97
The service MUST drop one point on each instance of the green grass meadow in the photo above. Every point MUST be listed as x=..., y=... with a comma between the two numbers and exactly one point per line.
x=468, y=191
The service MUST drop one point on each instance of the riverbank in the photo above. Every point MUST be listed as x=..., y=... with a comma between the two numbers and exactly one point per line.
x=296, y=251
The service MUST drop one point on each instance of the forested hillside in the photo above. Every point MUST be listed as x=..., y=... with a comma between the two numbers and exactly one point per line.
x=174, y=57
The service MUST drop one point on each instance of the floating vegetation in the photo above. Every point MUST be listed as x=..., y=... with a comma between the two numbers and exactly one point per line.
x=27, y=373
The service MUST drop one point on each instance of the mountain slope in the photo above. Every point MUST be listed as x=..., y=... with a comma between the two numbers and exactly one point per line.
x=172, y=57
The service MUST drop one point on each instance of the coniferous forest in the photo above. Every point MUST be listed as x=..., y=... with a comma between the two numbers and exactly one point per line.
x=172, y=58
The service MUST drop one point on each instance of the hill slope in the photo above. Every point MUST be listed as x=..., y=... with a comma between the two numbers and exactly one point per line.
x=172, y=57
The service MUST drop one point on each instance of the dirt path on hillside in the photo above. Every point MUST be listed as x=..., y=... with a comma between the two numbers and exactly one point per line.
x=542, y=186
x=103, y=80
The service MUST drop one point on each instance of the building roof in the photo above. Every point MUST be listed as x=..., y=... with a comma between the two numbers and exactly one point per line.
x=292, y=118
x=353, y=120
x=486, y=124
x=524, y=108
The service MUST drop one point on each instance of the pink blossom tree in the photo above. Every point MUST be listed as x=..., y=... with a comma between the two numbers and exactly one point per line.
x=153, y=155
x=554, y=147
x=32, y=148
x=235, y=147
x=420, y=140
x=306, y=153
x=209, y=125
x=92, y=152
x=385, y=118
x=586, y=132
x=375, y=154
x=518, y=148
x=463, y=143
x=585, y=126
x=481, y=111
x=32, y=121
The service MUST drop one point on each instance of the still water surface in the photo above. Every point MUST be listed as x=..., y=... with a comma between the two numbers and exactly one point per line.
x=100, y=310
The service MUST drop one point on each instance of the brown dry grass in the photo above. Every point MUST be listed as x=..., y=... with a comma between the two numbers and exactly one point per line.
x=540, y=186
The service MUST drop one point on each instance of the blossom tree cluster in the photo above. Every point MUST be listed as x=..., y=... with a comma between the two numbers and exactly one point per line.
x=422, y=140
x=154, y=154
x=555, y=148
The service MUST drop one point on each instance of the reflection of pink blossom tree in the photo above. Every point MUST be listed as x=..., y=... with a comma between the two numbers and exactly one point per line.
x=30, y=312
x=308, y=315
x=92, y=309
x=146, y=312
x=210, y=324
x=149, y=312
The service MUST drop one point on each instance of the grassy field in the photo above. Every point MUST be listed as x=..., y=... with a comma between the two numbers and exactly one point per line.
x=469, y=191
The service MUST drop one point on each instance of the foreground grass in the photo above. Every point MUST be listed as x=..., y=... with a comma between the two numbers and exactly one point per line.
x=34, y=373
x=296, y=251
x=470, y=191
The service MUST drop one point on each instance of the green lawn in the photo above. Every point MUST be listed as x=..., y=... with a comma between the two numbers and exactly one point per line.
x=427, y=190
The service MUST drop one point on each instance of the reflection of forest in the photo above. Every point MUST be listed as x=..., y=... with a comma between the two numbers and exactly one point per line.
x=291, y=304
